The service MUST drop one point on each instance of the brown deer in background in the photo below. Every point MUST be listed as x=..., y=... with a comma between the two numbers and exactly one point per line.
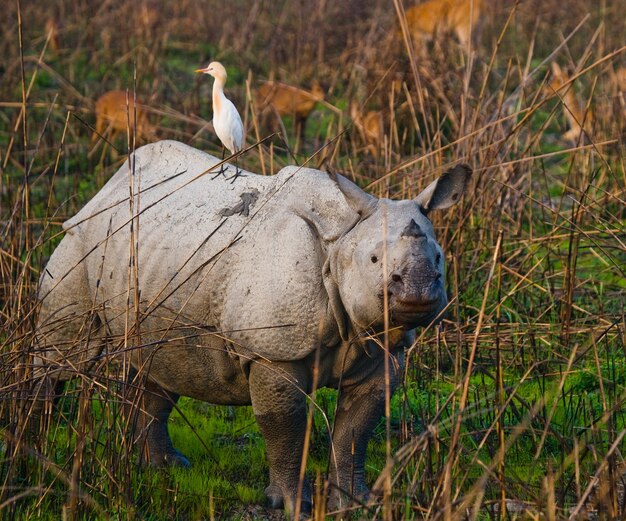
x=426, y=20
x=52, y=34
x=617, y=86
x=287, y=100
x=578, y=117
x=370, y=126
x=116, y=113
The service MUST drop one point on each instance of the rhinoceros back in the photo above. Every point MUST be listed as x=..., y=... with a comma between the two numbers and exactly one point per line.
x=179, y=219
x=194, y=244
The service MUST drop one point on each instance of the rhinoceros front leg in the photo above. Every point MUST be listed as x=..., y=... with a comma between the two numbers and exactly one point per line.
x=279, y=403
x=360, y=406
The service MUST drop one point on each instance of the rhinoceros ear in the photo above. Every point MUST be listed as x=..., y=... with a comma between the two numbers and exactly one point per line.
x=445, y=191
x=360, y=201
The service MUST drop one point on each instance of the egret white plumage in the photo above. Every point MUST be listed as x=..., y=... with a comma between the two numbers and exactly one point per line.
x=226, y=120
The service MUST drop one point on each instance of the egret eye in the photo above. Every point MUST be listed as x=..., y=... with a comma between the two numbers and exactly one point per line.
x=374, y=259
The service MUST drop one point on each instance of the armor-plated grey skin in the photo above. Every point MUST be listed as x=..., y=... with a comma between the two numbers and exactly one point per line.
x=241, y=287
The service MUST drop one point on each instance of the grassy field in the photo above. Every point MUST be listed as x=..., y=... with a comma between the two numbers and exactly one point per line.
x=514, y=407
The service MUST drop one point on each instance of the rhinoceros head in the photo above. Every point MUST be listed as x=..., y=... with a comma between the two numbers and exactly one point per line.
x=393, y=251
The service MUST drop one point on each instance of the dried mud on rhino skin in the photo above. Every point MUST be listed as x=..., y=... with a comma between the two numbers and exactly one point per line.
x=242, y=208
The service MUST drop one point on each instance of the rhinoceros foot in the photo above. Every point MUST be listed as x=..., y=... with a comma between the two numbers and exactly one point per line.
x=171, y=458
x=361, y=495
x=176, y=459
x=274, y=496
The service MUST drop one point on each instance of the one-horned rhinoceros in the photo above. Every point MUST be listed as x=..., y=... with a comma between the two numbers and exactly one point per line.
x=235, y=292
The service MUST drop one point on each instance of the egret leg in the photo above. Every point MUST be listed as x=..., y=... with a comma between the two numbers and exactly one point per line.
x=237, y=171
x=221, y=172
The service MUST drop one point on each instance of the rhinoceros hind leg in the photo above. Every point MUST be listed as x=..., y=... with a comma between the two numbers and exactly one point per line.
x=176, y=459
x=42, y=397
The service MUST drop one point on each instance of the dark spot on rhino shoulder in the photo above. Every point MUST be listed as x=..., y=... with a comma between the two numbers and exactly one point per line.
x=243, y=207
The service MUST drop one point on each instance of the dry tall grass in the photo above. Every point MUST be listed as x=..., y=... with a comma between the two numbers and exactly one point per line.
x=514, y=406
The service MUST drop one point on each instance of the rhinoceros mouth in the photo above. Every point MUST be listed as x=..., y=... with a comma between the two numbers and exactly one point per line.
x=412, y=320
x=414, y=306
x=412, y=313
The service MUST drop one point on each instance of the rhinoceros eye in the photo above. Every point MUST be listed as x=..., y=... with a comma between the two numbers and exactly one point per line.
x=438, y=258
x=374, y=259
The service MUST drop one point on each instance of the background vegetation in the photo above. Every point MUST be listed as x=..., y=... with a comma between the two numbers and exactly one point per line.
x=515, y=406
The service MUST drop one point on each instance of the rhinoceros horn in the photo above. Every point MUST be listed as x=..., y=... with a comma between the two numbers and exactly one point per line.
x=445, y=191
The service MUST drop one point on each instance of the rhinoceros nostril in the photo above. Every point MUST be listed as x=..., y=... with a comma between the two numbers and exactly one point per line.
x=396, y=278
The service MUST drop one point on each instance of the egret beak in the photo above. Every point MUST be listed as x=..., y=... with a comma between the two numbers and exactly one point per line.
x=201, y=70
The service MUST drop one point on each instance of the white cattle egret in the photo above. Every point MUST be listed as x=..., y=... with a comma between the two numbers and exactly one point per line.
x=226, y=120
